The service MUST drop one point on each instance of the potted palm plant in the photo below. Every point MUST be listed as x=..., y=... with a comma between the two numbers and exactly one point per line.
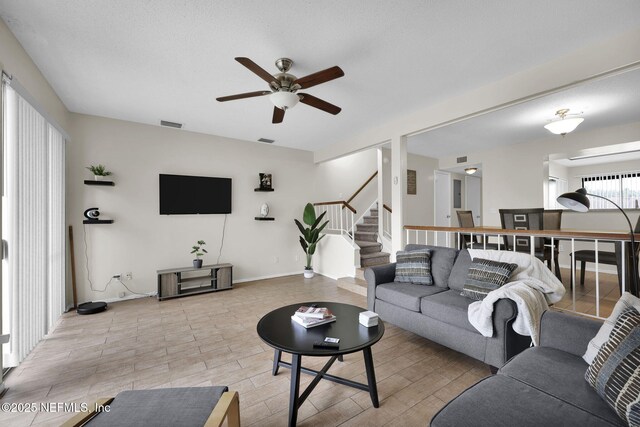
x=99, y=172
x=311, y=235
x=198, y=250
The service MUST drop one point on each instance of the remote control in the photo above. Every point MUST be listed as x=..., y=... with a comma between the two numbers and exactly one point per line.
x=326, y=344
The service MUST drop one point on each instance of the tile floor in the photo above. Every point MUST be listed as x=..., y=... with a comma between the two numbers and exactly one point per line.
x=211, y=339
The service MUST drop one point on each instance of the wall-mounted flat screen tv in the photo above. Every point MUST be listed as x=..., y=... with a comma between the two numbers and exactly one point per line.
x=183, y=195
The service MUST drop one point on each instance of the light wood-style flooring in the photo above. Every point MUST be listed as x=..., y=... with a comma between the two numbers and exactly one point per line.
x=211, y=339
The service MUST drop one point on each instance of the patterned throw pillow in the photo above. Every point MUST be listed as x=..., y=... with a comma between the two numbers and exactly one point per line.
x=414, y=267
x=615, y=371
x=485, y=276
x=625, y=302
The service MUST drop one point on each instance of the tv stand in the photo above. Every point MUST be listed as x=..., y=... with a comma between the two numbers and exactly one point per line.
x=180, y=282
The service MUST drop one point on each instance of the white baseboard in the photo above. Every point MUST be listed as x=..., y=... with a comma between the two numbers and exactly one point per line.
x=270, y=276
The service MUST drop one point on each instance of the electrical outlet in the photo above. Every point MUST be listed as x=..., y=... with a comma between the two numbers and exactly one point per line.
x=121, y=294
x=128, y=275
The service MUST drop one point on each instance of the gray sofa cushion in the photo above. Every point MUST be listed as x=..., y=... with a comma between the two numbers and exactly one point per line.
x=189, y=406
x=441, y=262
x=449, y=307
x=459, y=271
x=561, y=375
x=502, y=401
x=405, y=295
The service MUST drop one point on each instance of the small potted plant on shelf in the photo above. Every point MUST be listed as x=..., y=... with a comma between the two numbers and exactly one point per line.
x=311, y=235
x=99, y=172
x=199, y=251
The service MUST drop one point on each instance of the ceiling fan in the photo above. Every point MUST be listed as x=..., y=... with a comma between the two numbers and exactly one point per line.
x=284, y=87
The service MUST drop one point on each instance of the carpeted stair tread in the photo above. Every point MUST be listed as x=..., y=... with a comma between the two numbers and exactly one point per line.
x=374, y=255
x=367, y=227
x=366, y=236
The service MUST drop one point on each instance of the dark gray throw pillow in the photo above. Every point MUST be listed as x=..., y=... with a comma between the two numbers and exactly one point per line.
x=485, y=276
x=615, y=372
x=414, y=267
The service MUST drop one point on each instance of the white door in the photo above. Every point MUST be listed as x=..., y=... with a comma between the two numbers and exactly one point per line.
x=442, y=205
x=473, y=197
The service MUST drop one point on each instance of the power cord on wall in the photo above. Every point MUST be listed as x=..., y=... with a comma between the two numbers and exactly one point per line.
x=86, y=258
x=224, y=227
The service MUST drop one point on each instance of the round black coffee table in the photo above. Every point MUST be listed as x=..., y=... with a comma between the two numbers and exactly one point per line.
x=283, y=334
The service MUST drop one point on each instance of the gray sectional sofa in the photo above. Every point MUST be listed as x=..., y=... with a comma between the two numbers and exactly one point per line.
x=439, y=312
x=543, y=386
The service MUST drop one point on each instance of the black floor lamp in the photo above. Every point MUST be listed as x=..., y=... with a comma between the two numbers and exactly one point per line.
x=579, y=202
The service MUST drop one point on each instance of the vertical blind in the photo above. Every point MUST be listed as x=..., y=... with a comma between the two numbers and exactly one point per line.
x=622, y=188
x=33, y=226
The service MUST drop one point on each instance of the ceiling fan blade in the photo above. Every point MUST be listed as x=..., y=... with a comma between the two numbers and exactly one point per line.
x=278, y=115
x=258, y=70
x=319, y=77
x=319, y=103
x=243, y=95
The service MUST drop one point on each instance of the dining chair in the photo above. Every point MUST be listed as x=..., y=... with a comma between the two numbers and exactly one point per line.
x=526, y=219
x=465, y=220
x=552, y=220
x=604, y=257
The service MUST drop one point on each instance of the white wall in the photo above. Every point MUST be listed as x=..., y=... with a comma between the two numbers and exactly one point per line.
x=142, y=241
x=419, y=207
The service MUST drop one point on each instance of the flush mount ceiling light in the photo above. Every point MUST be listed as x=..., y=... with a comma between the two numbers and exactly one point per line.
x=471, y=171
x=563, y=125
x=284, y=100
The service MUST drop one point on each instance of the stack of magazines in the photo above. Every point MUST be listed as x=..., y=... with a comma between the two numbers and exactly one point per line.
x=313, y=316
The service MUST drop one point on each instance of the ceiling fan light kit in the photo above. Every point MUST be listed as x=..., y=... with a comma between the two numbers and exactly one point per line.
x=284, y=100
x=283, y=87
x=563, y=125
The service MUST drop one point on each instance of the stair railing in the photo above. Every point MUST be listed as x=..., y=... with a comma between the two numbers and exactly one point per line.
x=340, y=213
x=341, y=220
x=386, y=221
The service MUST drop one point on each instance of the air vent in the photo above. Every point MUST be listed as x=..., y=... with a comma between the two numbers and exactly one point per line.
x=171, y=124
x=268, y=141
x=461, y=159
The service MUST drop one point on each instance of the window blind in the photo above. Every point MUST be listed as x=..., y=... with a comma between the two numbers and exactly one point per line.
x=621, y=188
x=33, y=226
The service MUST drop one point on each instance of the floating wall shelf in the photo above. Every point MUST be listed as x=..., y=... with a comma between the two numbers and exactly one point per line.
x=103, y=183
x=263, y=189
x=97, y=221
x=264, y=218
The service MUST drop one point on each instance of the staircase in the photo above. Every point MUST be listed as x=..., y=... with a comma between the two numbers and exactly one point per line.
x=366, y=237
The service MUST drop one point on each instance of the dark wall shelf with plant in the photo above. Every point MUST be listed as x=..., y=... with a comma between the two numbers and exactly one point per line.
x=97, y=221
x=264, y=218
x=263, y=189
x=103, y=183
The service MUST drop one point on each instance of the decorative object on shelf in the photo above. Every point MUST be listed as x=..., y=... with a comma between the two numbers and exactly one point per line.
x=99, y=172
x=92, y=214
x=265, y=182
x=563, y=125
x=264, y=210
x=198, y=250
x=471, y=171
x=310, y=235
x=579, y=202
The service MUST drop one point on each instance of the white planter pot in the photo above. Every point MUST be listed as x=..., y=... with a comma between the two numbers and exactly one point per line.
x=98, y=177
x=308, y=274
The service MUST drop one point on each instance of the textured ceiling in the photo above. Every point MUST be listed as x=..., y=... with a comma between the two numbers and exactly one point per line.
x=143, y=60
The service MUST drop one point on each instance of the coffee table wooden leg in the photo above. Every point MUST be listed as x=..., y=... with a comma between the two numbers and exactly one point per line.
x=341, y=358
x=277, y=355
x=371, y=376
x=296, y=363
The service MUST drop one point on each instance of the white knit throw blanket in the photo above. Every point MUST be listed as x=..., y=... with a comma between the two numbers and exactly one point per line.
x=532, y=287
